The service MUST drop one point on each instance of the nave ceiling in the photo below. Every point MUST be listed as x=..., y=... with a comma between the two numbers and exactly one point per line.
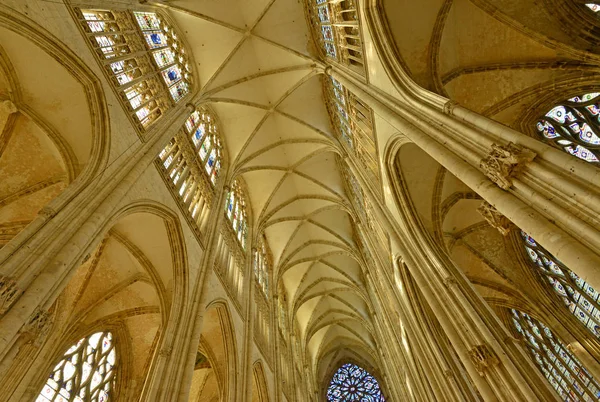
x=258, y=71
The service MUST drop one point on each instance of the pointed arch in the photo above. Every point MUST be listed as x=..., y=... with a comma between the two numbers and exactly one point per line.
x=260, y=390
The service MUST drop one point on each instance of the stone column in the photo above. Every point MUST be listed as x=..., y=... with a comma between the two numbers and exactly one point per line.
x=173, y=384
x=529, y=182
x=499, y=369
x=42, y=266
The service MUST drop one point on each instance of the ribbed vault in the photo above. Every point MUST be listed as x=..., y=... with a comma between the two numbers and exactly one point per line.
x=257, y=69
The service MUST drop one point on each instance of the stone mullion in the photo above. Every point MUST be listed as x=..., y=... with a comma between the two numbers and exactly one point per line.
x=72, y=232
x=562, y=362
x=461, y=149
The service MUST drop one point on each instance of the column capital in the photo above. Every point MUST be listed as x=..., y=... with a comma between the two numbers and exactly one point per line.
x=37, y=326
x=495, y=218
x=483, y=357
x=9, y=293
x=504, y=162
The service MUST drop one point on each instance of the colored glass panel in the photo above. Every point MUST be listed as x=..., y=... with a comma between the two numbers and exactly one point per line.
x=579, y=296
x=351, y=383
x=164, y=57
x=574, y=126
x=564, y=372
x=86, y=372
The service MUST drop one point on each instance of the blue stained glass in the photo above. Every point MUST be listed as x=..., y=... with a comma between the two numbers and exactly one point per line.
x=155, y=39
x=352, y=383
x=323, y=13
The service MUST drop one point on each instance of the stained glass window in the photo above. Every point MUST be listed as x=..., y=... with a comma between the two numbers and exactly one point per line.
x=151, y=63
x=337, y=31
x=579, y=297
x=565, y=373
x=262, y=264
x=191, y=162
x=574, y=126
x=237, y=214
x=86, y=372
x=352, y=383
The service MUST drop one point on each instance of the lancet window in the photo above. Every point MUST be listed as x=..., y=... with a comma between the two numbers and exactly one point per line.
x=353, y=123
x=579, y=297
x=143, y=56
x=564, y=372
x=85, y=373
x=192, y=162
x=236, y=213
x=262, y=265
x=574, y=126
x=365, y=209
x=338, y=31
x=353, y=383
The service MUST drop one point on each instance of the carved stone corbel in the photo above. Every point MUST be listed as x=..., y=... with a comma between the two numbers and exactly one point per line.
x=504, y=162
x=37, y=326
x=495, y=218
x=9, y=293
x=483, y=357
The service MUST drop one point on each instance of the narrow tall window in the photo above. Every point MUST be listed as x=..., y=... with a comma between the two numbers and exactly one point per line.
x=144, y=57
x=353, y=383
x=236, y=213
x=86, y=372
x=574, y=126
x=353, y=121
x=262, y=265
x=579, y=297
x=564, y=372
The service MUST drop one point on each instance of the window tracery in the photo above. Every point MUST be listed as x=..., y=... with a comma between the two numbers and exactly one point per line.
x=574, y=126
x=144, y=57
x=564, y=372
x=353, y=122
x=86, y=372
x=237, y=214
x=337, y=30
x=262, y=265
x=353, y=383
x=192, y=162
x=579, y=297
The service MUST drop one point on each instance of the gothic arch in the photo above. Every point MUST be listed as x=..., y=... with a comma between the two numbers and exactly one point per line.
x=69, y=135
x=218, y=344
x=260, y=390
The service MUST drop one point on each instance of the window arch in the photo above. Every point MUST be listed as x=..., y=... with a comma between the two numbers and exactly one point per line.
x=353, y=383
x=564, y=372
x=237, y=214
x=574, y=126
x=262, y=264
x=143, y=56
x=580, y=298
x=85, y=373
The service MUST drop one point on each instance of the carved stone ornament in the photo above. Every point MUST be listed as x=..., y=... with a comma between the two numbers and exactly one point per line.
x=483, y=357
x=505, y=162
x=37, y=326
x=9, y=292
x=495, y=218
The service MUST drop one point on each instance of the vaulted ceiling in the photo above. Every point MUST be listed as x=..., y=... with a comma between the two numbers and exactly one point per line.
x=257, y=69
